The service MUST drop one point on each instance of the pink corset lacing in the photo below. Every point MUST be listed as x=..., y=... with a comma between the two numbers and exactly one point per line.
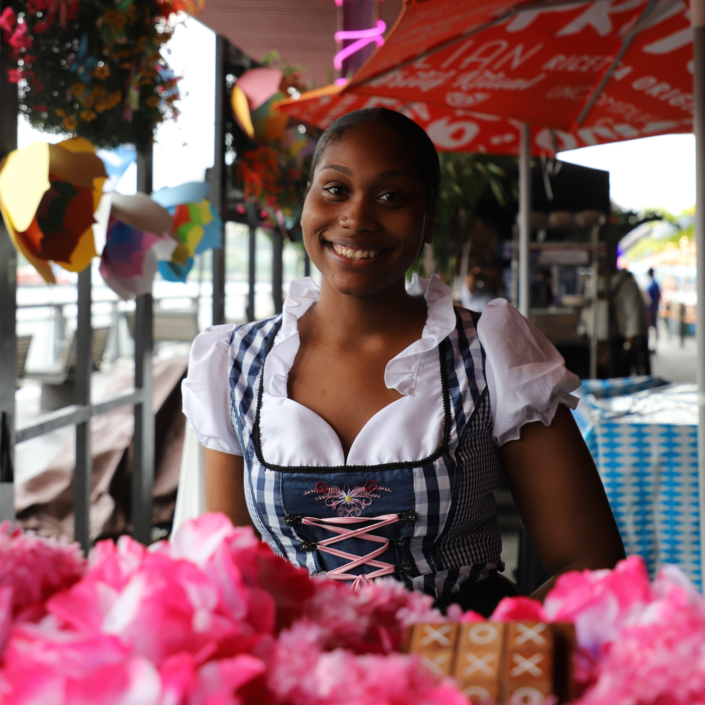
x=341, y=573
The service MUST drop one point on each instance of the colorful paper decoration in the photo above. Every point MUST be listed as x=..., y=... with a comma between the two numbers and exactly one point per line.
x=273, y=174
x=48, y=195
x=137, y=237
x=54, y=209
x=130, y=258
x=251, y=101
x=195, y=223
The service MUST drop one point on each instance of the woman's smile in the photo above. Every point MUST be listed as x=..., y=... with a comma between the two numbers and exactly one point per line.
x=357, y=254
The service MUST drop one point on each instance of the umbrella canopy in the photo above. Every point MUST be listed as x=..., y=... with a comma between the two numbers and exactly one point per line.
x=471, y=71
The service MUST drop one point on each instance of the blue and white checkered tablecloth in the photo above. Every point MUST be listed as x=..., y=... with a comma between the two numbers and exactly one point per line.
x=642, y=433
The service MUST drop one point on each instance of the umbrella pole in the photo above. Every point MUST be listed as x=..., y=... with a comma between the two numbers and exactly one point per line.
x=698, y=19
x=524, y=217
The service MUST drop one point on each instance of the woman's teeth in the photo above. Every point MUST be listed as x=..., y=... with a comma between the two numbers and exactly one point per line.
x=355, y=254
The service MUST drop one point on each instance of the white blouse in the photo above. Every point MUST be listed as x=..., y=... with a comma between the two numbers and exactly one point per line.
x=526, y=376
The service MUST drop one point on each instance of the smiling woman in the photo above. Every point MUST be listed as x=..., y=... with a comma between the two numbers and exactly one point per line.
x=364, y=430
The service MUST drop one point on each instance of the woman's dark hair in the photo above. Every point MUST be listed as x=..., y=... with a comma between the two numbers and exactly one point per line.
x=412, y=135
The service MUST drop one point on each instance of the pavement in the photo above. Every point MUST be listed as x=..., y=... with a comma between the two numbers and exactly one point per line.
x=673, y=362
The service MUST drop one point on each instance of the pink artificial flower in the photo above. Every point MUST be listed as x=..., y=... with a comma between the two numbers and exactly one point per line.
x=217, y=681
x=374, y=619
x=20, y=39
x=600, y=602
x=518, y=608
x=6, y=602
x=44, y=664
x=659, y=658
x=14, y=75
x=197, y=540
x=35, y=567
x=300, y=674
x=8, y=20
x=114, y=564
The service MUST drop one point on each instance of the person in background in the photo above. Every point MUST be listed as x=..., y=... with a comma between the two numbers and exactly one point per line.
x=654, y=292
x=668, y=314
x=631, y=325
x=683, y=327
x=541, y=291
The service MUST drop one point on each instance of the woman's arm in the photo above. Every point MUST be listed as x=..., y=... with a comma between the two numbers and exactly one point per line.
x=561, y=498
x=225, y=491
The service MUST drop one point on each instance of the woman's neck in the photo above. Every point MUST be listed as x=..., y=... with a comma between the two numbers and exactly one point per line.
x=350, y=321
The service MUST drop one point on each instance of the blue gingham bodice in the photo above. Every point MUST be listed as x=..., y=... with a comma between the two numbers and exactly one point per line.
x=446, y=530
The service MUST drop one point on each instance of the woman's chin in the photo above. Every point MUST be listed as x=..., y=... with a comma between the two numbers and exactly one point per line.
x=359, y=284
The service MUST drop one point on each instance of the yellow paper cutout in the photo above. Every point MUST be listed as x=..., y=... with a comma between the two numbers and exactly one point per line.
x=193, y=237
x=205, y=215
x=41, y=265
x=180, y=254
x=241, y=108
x=24, y=179
x=83, y=254
x=76, y=167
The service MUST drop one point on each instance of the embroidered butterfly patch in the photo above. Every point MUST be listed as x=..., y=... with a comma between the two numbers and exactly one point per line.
x=347, y=501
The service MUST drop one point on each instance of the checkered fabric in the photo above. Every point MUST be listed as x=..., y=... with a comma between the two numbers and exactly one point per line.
x=455, y=537
x=648, y=462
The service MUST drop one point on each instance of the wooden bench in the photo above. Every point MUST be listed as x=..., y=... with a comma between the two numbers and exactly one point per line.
x=23, y=343
x=170, y=325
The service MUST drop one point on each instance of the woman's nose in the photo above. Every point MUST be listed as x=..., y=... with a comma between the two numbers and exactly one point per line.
x=359, y=216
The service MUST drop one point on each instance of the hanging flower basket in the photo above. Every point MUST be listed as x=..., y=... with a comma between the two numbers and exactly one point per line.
x=93, y=68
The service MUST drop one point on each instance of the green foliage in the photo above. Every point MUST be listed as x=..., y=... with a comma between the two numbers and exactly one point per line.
x=464, y=178
x=682, y=233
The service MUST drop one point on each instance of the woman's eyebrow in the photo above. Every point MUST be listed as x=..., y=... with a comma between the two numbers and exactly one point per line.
x=338, y=167
x=396, y=172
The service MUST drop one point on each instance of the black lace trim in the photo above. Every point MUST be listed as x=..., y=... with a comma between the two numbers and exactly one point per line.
x=447, y=421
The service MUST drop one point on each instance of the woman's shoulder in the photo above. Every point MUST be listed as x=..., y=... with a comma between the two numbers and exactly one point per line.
x=501, y=326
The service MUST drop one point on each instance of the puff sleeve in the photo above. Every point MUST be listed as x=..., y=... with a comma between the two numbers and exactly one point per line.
x=206, y=390
x=526, y=375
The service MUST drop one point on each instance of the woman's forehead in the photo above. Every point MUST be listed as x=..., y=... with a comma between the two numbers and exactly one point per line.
x=369, y=145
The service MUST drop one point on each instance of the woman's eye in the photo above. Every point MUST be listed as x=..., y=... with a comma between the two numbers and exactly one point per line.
x=391, y=197
x=334, y=190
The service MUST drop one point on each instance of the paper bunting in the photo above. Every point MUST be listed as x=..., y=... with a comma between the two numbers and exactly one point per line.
x=48, y=195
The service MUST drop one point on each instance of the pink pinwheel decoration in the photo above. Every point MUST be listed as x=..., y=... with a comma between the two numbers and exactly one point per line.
x=130, y=258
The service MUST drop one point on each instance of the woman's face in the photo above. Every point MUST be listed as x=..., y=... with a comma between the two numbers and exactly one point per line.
x=365, y=215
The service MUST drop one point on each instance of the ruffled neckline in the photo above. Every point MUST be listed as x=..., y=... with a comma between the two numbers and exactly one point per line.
x=401, y=371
